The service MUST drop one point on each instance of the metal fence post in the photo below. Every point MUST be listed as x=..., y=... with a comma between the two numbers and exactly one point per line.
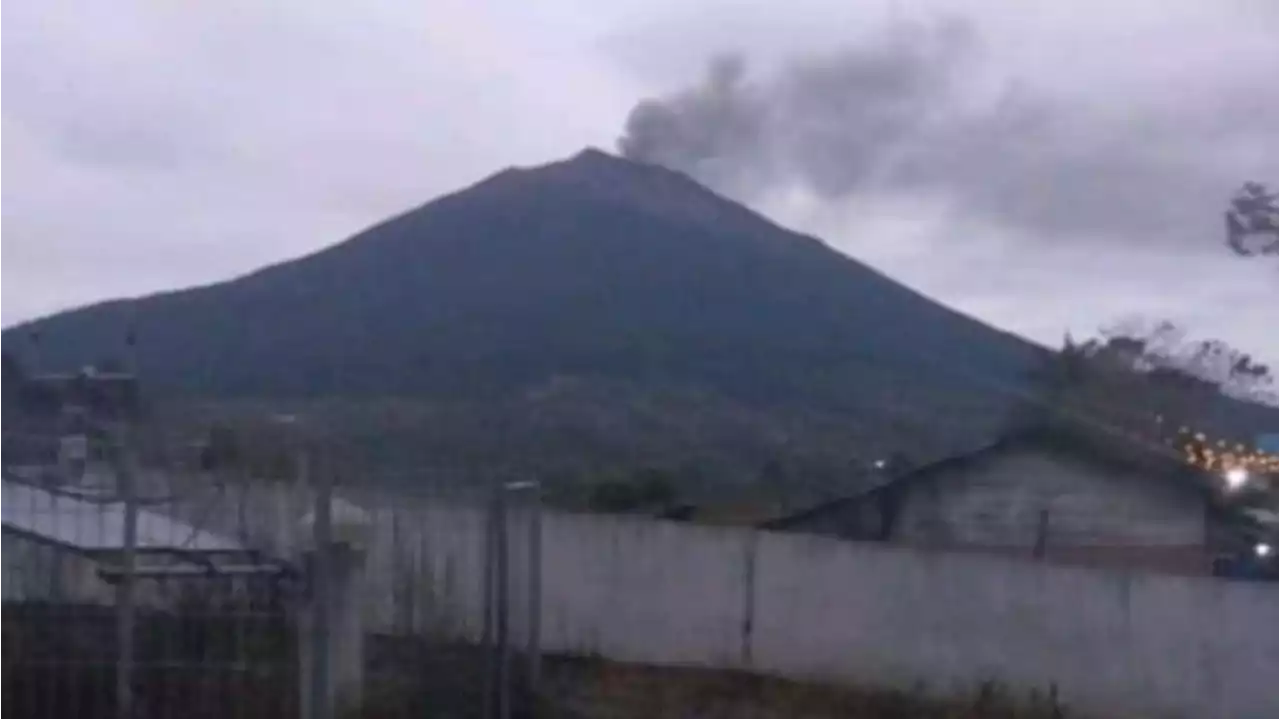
x=125, y=590
x=534, y=647
x=500, y=637
x=316, y=685
x=333, y=640
x=487, y=643
x=502, y=590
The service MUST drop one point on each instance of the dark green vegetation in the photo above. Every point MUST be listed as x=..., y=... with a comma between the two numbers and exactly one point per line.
x=1149, y=380
x=591, y=317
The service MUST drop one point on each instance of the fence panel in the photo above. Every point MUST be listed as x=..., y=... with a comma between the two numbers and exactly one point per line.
x=208, y=628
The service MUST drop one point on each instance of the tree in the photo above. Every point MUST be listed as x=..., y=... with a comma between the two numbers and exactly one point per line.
x=1169, y=358
x=222, y=450
x=110, y=365
x=1080, y=380
x=1143, y=378
x=648, y=489
x=613, y=495
x=14, y=380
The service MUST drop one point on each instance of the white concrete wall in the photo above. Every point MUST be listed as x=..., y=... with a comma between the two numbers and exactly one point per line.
x=1121, y=643
x=668, y=593
x=661, y=592
x=655, y=591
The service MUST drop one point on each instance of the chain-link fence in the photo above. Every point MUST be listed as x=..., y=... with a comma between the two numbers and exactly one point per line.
x=160, y=589
x=116, y=607
x=144, y=584
x=204, y=648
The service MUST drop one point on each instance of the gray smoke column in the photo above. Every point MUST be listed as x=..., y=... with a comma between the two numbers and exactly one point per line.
x=921, y=112
x=829, y=122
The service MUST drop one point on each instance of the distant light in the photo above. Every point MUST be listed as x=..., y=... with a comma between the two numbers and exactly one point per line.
x=880, y=464
x=1236, y=477
x=1262, y=550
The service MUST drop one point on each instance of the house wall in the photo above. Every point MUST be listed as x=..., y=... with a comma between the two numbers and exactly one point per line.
x=997, y=502
x=861, y=519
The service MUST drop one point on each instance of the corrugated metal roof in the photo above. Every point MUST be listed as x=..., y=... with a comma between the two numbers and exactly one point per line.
x=98, y=527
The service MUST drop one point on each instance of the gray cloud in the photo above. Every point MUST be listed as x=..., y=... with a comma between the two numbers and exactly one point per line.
x=920, y=112
x=150, y=146
x=1045, y=173
x=153, y=145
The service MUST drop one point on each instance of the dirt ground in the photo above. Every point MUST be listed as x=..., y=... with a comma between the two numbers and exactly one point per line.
x=449, y=684
x=56, y=668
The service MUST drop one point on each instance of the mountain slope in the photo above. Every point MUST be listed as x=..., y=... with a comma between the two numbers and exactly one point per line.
x=594, y=266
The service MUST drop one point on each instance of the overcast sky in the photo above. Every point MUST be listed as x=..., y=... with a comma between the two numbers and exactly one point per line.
x=1047, y=170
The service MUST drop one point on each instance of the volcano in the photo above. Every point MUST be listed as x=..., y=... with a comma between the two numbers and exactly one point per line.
x=591, y=272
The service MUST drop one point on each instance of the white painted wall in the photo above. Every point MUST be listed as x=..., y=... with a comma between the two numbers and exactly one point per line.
x=1115, y=641
x=661, y=592
x=798, y=606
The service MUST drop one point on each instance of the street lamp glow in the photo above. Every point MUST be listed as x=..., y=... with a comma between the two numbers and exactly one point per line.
x=1262, y=550
x=1236, y=477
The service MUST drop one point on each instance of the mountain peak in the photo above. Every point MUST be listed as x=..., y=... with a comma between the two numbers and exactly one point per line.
x=592, y=161
x=595, y=165
x=655, y=190
x=594, y=155
x=593, y=265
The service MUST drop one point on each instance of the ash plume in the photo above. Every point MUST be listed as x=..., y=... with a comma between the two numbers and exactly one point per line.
x=828, y=121
x=914, y=114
